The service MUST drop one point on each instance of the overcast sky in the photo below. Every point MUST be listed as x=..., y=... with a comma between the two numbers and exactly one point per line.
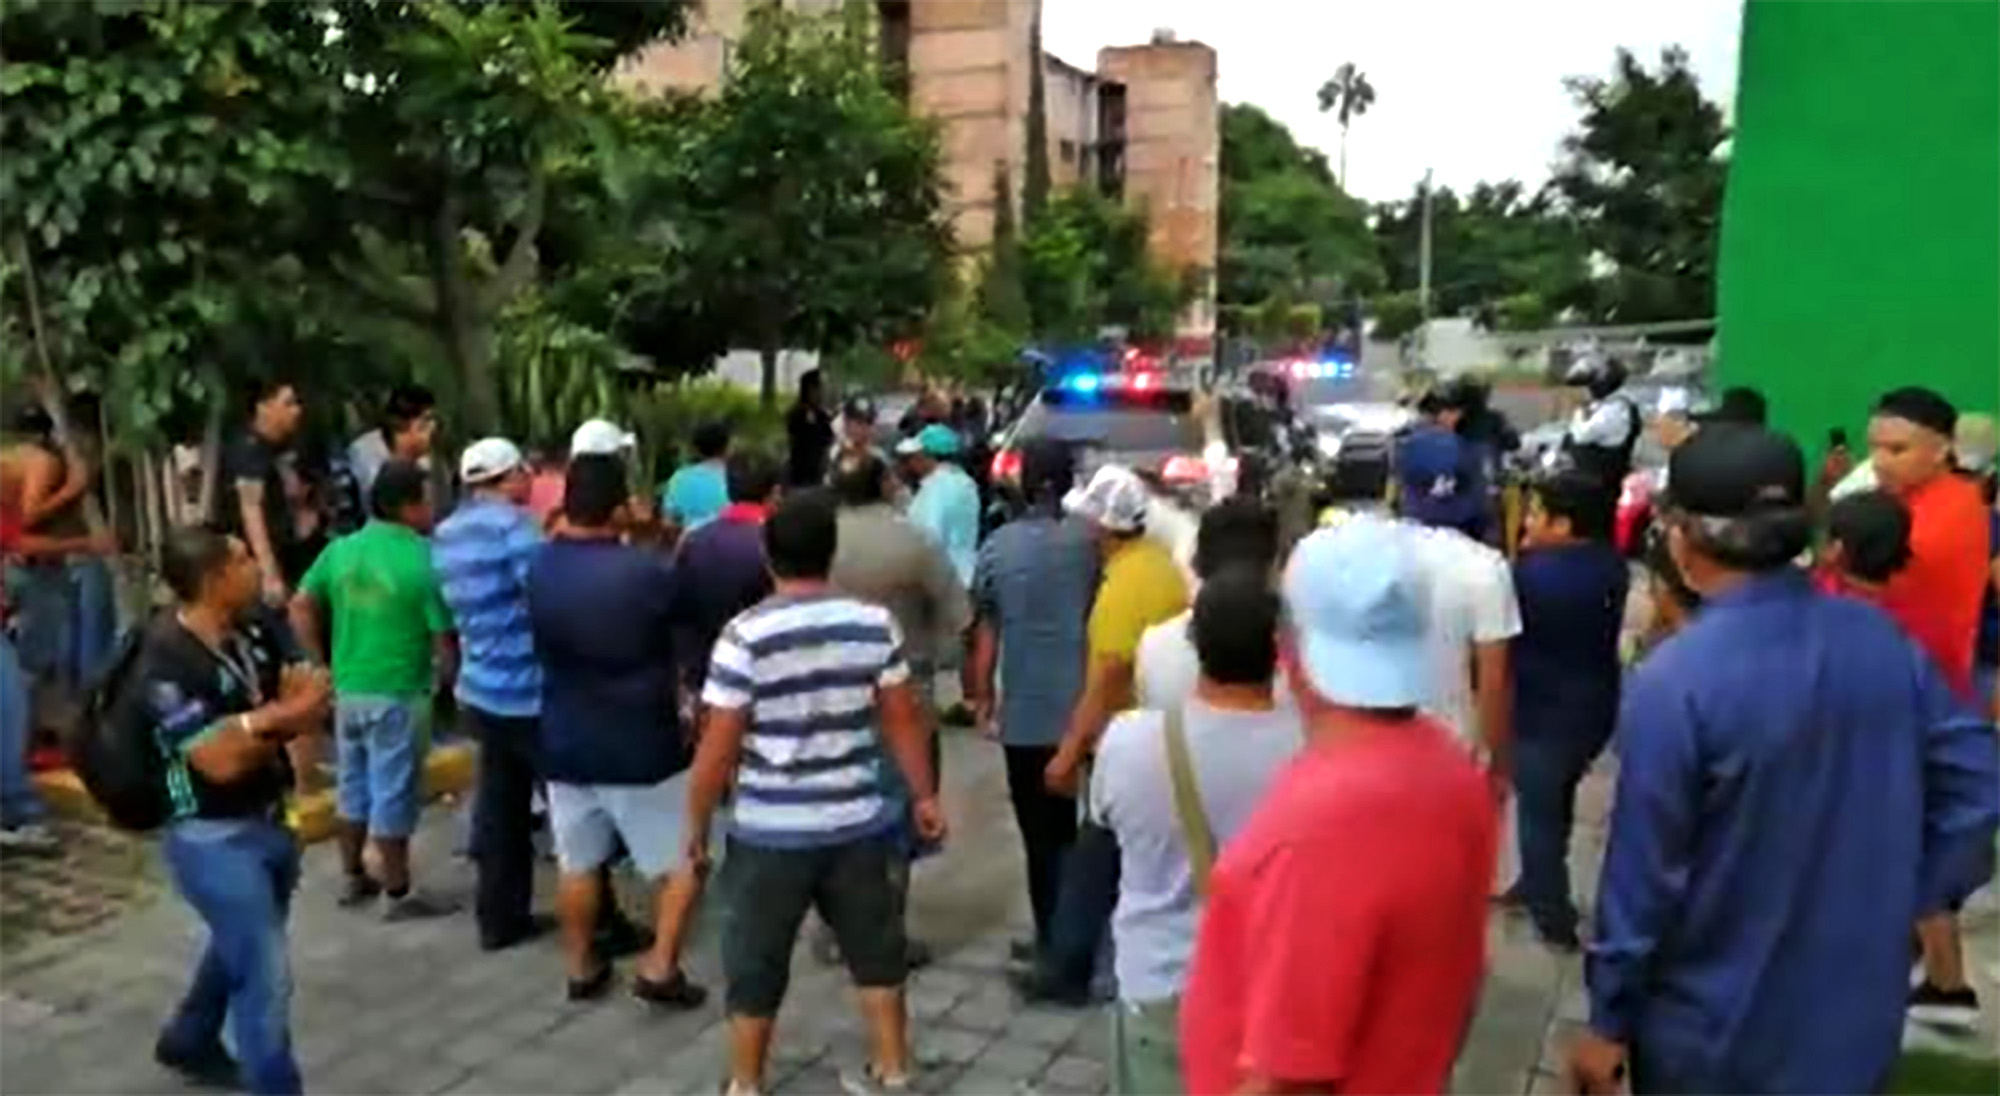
x=1471, y=88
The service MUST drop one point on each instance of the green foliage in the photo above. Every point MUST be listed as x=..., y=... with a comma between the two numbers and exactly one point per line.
x=1087, y=265
x=1001, y=297
x=1287, y=229
x=1521, y=312
x=1035, y=187
x=962, y=342
x=811, y=208
x=553, y=372
x=665, y=414
x=1496, y=243
x=1644, y=175
x=1396, y=314
x=187, y=178
x=139, y=144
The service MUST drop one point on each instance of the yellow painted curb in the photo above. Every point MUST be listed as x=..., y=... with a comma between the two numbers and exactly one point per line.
x=448, y=770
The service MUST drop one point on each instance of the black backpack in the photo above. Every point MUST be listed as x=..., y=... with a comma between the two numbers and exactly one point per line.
x=112, y=749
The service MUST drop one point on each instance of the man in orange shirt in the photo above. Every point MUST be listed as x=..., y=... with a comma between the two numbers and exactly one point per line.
x=1936, y=598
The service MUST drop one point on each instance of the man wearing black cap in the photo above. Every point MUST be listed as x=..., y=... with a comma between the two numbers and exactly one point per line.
x=1032, y=589
x=856, y=441
x=1796, y=779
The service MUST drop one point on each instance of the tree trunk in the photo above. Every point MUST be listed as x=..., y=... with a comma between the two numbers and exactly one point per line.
x=768, y=354
x=463, y=327
x=469, y=345
x=211, y=453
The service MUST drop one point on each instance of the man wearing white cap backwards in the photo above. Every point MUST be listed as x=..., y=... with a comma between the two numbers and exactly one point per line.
x=481, y=554
x=1361, y=979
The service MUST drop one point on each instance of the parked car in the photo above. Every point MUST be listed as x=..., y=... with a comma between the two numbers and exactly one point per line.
x=1198, y=446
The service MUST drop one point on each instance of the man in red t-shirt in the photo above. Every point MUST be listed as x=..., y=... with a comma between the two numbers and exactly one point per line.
x=1937, y=599
x=1345, y=930
x=20, y=806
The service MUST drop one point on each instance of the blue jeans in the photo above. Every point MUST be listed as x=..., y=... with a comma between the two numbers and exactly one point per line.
x=94, y=619
x=1546, y=773
x=20, y=804
x=239, y=875
x=40, y=597
x=68, y=623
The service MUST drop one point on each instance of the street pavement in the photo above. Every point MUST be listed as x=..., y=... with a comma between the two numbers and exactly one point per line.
x=416, y=1008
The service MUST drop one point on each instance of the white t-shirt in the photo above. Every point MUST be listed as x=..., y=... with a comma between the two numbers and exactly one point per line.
x=1167, y=667
x=1472, y=601
x=1236, y=755
x=1175, y=528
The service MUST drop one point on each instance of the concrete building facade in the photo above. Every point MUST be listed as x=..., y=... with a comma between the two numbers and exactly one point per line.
x=1144, y=126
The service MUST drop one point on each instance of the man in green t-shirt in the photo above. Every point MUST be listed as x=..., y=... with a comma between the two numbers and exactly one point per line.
x=391, y=632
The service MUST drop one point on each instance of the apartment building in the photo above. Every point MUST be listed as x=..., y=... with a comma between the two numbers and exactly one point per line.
x=1144, y=125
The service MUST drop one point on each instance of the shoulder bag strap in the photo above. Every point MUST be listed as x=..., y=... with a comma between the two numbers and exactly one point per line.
x=1195, y=834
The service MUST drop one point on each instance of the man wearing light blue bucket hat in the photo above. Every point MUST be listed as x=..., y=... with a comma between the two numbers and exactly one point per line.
x=1360, y=978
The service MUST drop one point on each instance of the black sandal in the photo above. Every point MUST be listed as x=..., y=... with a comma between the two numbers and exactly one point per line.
x=675, y=992
x=593, y=987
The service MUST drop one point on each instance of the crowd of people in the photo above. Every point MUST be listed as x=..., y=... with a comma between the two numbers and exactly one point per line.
x=1282, y=787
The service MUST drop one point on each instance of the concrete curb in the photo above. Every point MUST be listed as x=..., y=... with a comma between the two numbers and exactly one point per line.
x=448, y=770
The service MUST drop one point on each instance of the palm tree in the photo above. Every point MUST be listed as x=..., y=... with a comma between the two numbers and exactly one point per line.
x=1350, y=94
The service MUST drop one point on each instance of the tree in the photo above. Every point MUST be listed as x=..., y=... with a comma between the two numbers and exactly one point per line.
x=1001, y=298
x=1087, y=265
x=812, y=208
x=1287, y=229
x=185, y=176
x=1643, y=174
x=454, y=125
x=1349, y=95
x=139, y=144
x=1035, y=165
x=1494, y=243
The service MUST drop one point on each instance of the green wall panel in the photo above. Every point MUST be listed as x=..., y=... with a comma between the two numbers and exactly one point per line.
x=1861, y=228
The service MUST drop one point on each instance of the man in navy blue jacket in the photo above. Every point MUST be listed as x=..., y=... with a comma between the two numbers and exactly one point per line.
x=1570, y=583
x=1797, y=786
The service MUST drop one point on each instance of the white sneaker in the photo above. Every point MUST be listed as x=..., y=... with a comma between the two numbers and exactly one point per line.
x=31, y=839
x=866, y=1081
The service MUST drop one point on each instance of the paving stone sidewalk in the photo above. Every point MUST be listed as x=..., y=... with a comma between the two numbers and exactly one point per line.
x=415, y=1008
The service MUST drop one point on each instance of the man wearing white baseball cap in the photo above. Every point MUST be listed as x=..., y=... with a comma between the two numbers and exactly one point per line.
x=1362, y=979
x=602, y=437
x=482, y=553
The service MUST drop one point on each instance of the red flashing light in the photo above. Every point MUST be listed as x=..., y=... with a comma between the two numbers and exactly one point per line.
x=1186, y=469
x=1143, y=382
x=1006, y=465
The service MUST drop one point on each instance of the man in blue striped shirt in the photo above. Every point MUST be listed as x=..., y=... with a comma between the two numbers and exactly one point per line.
x=482, y=554
x=804, y=693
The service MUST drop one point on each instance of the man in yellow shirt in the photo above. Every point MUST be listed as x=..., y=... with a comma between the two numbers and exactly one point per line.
x=1141, y=587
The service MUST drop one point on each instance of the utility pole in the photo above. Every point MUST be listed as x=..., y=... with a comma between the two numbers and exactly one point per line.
x=1424, y=251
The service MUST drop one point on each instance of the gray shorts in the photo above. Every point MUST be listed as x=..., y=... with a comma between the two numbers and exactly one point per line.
x=588, y=820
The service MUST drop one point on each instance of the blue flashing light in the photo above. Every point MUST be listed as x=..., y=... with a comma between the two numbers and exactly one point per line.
x=1084, y=383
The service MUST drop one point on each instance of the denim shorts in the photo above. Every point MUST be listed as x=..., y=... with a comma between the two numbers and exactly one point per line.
x=381, y=744
x=853, y=886
x=588, y=821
